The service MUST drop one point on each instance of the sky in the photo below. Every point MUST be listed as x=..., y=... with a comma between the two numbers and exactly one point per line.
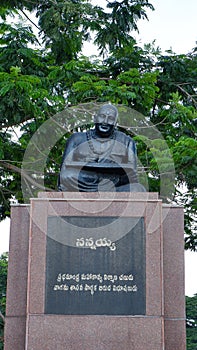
x=173, y=25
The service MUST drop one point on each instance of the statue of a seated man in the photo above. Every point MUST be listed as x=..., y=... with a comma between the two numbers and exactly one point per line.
x=100, y=159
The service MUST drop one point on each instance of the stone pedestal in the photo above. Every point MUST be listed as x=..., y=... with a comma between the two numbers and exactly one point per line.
x=144, y=305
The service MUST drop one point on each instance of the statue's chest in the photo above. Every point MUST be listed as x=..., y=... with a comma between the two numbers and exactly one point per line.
x=96, y=149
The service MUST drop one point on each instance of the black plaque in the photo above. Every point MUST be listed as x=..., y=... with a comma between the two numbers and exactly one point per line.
x=95, y=266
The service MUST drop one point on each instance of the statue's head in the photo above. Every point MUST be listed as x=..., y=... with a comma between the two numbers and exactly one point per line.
x=105, y=120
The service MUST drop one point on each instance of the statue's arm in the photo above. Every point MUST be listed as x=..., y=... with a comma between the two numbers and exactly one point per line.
x=132, y=160
x=71, y=145
x=68, y=152
x=69, y=148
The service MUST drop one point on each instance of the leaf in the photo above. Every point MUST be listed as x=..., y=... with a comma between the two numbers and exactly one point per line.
x=15, y=71
x=7, y=87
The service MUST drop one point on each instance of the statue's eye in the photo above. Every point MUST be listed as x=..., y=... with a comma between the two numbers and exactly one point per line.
x=111, y=118
x=107, y=118
x=101, y=117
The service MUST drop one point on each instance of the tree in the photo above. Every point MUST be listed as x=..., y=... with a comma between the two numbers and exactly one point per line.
x=42, y=74
x=114, y=29
x=3, y=284
x=191, y=322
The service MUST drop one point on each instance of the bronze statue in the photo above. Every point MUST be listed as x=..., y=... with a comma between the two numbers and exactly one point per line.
x=100, y=159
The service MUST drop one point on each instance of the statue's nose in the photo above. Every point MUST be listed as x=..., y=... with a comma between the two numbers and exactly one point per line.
x=105, y=120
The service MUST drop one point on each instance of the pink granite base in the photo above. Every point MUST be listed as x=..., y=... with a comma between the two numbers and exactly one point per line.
x=16, y=301
x=94, y=333
x=175, y=337
x=15, y=333
x=163, y=326
x=174, y=291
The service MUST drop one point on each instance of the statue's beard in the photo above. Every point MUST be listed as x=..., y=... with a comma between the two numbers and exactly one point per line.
x=104, y=130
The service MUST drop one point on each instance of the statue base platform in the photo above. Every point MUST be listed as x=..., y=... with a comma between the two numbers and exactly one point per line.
x=96, y=271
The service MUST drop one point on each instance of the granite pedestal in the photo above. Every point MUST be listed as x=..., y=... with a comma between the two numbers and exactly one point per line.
x=132, y=288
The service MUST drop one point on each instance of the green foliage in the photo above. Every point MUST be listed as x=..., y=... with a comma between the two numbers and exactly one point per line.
x=115, y=26
x=191, y=322
x=184, y=152
x=65, y=27
x=189, y=200
x=17, y=94
x=129, y=88
x=40, y=75
x=3, y=284
x=179, y=74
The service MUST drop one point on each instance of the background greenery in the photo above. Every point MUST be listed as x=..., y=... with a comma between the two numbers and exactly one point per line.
x=3, y=280
x=44, y=70
x=191, y=308
x=191, y=322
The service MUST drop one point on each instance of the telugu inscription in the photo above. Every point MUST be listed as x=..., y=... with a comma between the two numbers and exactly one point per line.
x=108, y=278
x=101, y=286
x=94, y=244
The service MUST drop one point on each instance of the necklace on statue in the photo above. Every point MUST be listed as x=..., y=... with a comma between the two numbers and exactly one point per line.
x=99, y=146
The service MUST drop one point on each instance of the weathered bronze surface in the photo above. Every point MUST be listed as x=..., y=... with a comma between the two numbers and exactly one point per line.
x=100, y=159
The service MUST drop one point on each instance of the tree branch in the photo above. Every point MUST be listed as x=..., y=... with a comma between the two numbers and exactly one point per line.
x=29, y=19
x=13, y=123
x=187, y=94
x=20, y=171
x=2, y=316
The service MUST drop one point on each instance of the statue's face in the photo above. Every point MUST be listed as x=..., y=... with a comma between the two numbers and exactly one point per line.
x=105, y=120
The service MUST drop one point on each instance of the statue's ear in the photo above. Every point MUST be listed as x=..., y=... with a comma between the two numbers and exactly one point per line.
x=115, y=124
x=95, y=118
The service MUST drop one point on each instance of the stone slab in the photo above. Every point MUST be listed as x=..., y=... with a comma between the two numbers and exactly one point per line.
x=174, y=281
x=42, y=209
x=163, y=325
x=94, y=270
x=18, y=261
x=16, y=301
x=175, y=337
x=95, y=332
x=99, y=195
x=15, y=333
